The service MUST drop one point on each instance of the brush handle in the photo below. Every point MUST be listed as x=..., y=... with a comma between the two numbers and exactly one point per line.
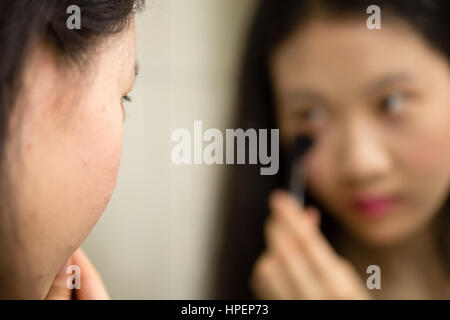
x=297, y=181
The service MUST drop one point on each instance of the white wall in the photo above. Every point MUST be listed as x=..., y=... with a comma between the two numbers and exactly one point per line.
x=154, y=239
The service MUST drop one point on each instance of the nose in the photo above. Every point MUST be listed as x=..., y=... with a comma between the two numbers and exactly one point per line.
x=363, y=155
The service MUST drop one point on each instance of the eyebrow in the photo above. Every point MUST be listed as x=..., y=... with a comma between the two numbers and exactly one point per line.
x=305, y=93
x=387, y=81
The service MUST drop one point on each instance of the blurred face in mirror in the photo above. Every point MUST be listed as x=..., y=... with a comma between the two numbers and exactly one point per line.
x=378, y=103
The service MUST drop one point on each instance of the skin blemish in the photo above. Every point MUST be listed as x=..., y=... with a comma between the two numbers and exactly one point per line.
x=84, y=163
x=29, y=147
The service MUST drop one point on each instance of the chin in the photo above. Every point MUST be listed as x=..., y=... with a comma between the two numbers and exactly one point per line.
x=384, y=236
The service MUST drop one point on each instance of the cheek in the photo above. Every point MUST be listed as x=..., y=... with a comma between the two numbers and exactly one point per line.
x=99, y=152
x=82, y=164
x=426, y=164
x=92, y=163
x=92, y=169
x=424, y=150
x=427, y=150
x=63, y=180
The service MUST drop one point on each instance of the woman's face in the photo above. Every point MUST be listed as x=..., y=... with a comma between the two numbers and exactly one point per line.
x=378, y=102
x=63, y=154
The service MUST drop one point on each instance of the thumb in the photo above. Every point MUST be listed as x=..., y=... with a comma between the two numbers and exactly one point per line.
x=92, y=287
x=59, y=289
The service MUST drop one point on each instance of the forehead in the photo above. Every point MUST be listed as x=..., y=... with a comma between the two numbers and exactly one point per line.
x=125, y=45
x=117, y=55
x=332, y=51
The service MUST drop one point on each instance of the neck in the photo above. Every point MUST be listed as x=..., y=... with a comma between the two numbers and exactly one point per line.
x=412, y=268
x=18, y=276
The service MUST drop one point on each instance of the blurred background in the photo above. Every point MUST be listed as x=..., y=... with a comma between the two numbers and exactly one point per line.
x=157, y=236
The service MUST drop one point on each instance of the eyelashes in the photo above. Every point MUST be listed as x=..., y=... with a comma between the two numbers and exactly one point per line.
x=126, y=98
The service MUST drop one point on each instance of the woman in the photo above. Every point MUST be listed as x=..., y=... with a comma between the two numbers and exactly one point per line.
x=61, y=116
x=377, y=104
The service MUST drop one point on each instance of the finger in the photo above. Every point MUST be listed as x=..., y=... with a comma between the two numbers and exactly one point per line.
x=92, y=287
x=268, y=280
x=298, y=269
x=307, y=233
x=281, y=200
x=314, y=216
x=339, y=278
x=59, y=289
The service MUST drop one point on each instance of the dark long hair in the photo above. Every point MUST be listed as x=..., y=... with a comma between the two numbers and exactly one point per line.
x=242, y=239
x=22, y=21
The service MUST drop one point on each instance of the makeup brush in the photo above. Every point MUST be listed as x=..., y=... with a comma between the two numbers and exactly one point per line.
x=297, y=179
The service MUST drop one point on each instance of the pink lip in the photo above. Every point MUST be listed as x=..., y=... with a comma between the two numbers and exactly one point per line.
x=373, y=207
